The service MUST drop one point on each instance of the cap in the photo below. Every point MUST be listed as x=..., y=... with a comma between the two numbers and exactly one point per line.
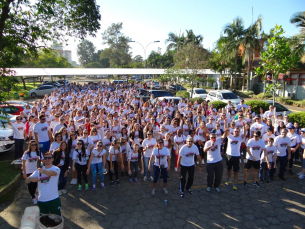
x=290, y=126
x=303, y=130
x=257, y=116
x=279, y=114
x=240, y=110
x=160, y=141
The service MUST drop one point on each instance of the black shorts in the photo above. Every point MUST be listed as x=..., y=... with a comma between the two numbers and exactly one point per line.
x=233, y=162
x=249, y=164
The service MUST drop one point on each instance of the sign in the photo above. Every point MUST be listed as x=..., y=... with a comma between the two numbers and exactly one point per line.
x=222, y=78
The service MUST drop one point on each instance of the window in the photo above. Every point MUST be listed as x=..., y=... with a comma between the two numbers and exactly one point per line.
x=280, y=108
x=229, y=95
x=293, y=79
x=219, y=96
x=302, y=79
x=200, y=91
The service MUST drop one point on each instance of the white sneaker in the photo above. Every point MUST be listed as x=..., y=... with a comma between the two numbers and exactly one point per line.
x=302, y=176
x=217, y=190
x=165, y=191
x=64, y=191
x=176, y=169
x=34, y=200
x=197, y=162
x=151, y=178
x=202, y=161
x=153, y=192
x=59, y=192
x=145, y=178
x=208, y=189
x=240, y=161
x=72, y=181
x=75, y=181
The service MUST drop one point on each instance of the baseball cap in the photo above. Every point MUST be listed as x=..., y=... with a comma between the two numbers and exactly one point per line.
x=290, y=126
x=303, y=130
x=257, y=116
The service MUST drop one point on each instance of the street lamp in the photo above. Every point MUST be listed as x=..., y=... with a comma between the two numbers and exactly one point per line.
x=145, y=49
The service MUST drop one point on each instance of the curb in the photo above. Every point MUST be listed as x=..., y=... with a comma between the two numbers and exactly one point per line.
x=11, y=185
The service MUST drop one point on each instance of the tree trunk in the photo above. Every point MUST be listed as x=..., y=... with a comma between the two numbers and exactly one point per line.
x=284, y=86
x=23, y=82
x=249, y=70
x=235, y=73
x=264, y=90
x=34, y=81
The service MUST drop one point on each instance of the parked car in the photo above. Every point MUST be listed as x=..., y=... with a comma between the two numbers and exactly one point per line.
x=224, y=96
x=198, y=92
x=18, y=102
x=160, y=93
x=63, y=81
x=42, y=90
x=175, y=88
x=54, y=83
x=280, y=109
x=89, y=76
x=119, y=81
x=6, y=133
x=13, y=109
x=169, y=99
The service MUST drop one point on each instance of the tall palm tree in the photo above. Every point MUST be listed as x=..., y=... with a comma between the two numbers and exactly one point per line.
x=231, y=41
x=252, y=44
x=191, y=37
x=298, y=19
x=297, y=42
x=174, y=41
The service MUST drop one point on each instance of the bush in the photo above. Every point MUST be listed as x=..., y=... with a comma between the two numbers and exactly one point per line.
x=199, y=99
x=244, y=94
x=218, y=104
x=256, y=104
x=297, y=117
x=283, y=100
x=300, y=103
x=183, y=94
x=263, y=96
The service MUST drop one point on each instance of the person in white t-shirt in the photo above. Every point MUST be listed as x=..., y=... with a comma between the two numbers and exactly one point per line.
x=133, y=157
x=255, y=147
x=267, y=165
x=47, y=178
x=148, y=145
x=160, y=156
x=19, y=135
x=302, y=154
x=295, y=144
x=258, y=126
x=43, y=134
x=186, y=164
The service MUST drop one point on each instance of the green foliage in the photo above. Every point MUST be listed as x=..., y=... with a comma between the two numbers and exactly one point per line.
x=297, y=117
x=244, y=94
x=218, y=104
x=262, y=96
x=85, y=52
x=175, y=42
x=183, y=94
x=256, y=104
x=199, y=99
x=283, y=100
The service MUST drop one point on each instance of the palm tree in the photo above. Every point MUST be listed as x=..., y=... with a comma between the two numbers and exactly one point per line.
x=297, y=42
x=231, y=41
x=298, y=19
x=191, y=37
x=174, y=41
x=252, y=44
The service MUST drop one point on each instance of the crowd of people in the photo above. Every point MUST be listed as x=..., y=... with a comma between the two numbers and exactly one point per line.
x=106, y=130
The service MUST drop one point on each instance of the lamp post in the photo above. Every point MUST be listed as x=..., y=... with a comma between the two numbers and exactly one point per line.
x=145, y=49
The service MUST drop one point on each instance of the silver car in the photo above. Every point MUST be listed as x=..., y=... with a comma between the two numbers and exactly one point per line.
x=42, y=90
x=6, y=133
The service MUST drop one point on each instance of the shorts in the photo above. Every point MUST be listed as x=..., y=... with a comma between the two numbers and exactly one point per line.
x=233, y=162
x=249, y=164
x=50, y=207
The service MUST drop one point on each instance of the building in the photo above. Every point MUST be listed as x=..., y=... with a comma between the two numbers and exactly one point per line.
x=65, y=53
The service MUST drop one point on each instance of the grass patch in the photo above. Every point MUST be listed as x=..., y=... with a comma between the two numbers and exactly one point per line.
x=7, y=173
x=19, y=89
x=9, y=197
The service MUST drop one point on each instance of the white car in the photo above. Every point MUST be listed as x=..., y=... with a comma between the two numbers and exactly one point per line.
x=224, y=96
x=198, y=92
x=6, y=133
x=42, y=90
x=168, y=99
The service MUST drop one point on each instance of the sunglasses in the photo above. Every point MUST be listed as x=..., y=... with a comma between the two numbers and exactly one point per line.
x=47, y=158
x=33, y=144
x=43, y=119
x=18, y=119
x=258, y=136
x=100, y=145
x=213, y=137
x=79, y=143
x=85, y=132
x=190, y=141
x=149, y=134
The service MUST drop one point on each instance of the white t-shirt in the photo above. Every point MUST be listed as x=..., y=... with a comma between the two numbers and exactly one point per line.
x=87, y=142
x=42, y=130
x=161, y=155
x=54, y=146
x=114, y=153
x=97, y=156
x=30, y=162
x=150, y=145
x=266, y=136
x=106, y=143
x=47, y=185
x=95, y=138
x=133, y=156
x=53, y=124
x=271, y=150
x=281, y=144
x=18, y=130
x=302, y=140
x=180, y=141
x=233, y=148
x=59, y=126
x=256, y=148
x=259, y=126
x=187, y=155
x=295, y=139
x=214, y=155
x=73, y=146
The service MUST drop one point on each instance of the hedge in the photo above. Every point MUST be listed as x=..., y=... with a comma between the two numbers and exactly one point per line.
x=297, y=117
x=246, y=94
x=183, y=94
x=262, y=96
x=256, y=104
x=199, y=99
x=218, y=104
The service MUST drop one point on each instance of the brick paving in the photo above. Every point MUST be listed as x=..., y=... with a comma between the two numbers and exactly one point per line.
x=277, y=205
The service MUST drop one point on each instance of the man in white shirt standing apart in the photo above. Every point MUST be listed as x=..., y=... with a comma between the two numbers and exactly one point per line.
x=19, y=136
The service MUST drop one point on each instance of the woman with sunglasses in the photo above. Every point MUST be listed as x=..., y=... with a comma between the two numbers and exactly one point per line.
x=30, y=159
x=72, y=143
x=97, y=163
x=55, y=144
x=114, y=156
x=80, y=159
x=87, y=141
x=64, y=133
x=94, y=136
x=148, y=145
x=61, y=160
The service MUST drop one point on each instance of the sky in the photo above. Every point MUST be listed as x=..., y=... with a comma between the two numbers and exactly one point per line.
x=145, y=21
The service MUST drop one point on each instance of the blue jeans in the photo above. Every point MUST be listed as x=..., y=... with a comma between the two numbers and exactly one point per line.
x=157, y=172
x=45, y=147
x=283, y=163
x=62, y=179
x=97, y=167
x=18, y=148
x=146, y=161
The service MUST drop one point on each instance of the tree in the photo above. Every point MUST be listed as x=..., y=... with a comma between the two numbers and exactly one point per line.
x=192, y=58
x=157, y=60
x=297, y=41
x=231, y=41
x=277, y=58
x=85, y=52
x=118, y=50
x=176, y=42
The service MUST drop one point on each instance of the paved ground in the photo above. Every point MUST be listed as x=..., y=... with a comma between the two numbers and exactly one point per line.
x=277, y=205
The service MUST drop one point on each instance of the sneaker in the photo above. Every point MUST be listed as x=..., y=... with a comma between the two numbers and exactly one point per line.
x=59, y=192
x=94, y=187
x=202, y=161
x=79, y=187
x=228, y=182
x=181, y=194
x=73, y=181
x=300, y=173
x=102, y=185
x=86, y=186
x=111, y=183
x=197, y=162
x=153, y=192
x=240, y=161
x=165, y=191
x=145, y=178
x=176, y=169
x=256, y=184
x=302, y=176
x=135, y=180
x=190, y=191
x=122, y=174
x=245, y=184
x=290, y=171
x=235, y=187
x=208, y=189
x=217, y=189
x=64, y=191
x=34, y=200
x=151, y=178
x=130, y=180
x=117, y=182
